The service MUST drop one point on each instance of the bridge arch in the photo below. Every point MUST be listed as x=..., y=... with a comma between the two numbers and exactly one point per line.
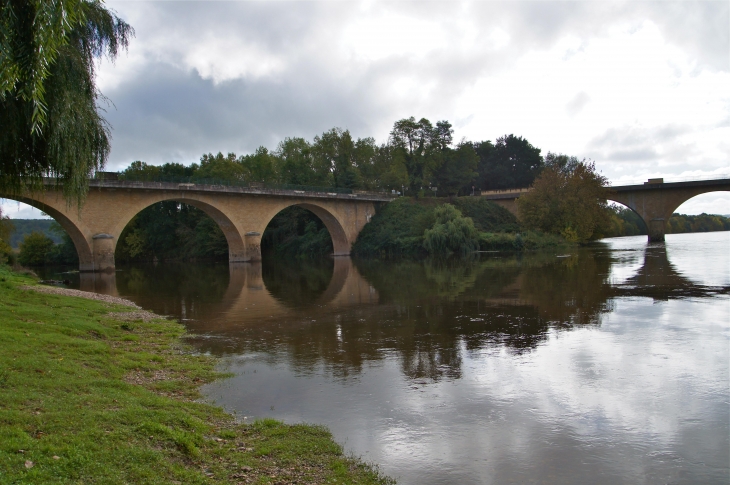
x=78, y=233
x=340, y=241
x=655, y=202
x=236, y=245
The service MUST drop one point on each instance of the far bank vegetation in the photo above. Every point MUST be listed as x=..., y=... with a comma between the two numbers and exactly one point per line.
x=419, y=161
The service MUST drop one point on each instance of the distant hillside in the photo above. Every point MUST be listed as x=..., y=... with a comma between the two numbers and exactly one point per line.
x=26, y=226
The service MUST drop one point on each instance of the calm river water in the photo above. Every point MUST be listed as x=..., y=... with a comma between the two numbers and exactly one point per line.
x=608, y=364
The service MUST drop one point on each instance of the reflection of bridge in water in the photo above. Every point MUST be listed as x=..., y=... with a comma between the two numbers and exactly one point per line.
x=551, y=286
x=247, y=298
x=427, y=314
x=659, y=279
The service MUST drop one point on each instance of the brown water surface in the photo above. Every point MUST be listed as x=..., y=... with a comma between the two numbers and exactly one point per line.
x=607, y=364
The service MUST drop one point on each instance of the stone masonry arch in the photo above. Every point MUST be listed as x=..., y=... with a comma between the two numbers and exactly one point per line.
x=340, y=243
x=632, y=210
x=655, y=202
x=236, y=247
x=77, y=231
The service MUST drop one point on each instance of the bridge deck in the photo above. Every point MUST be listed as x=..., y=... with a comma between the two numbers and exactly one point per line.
x=234, y=189
x=670, y=185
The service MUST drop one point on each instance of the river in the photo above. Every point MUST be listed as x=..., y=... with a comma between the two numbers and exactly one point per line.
x=604, y=364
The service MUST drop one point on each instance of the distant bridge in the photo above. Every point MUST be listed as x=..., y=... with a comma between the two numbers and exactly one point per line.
x=241, y=212
x=654, y=201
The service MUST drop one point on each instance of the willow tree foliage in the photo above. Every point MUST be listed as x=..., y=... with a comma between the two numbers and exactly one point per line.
x=49, y=113
x=451, y=233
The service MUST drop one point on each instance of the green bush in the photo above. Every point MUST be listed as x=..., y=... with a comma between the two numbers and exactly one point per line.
x=451, y=233
x=6, y=253
x=398, y=228
x=34, y=249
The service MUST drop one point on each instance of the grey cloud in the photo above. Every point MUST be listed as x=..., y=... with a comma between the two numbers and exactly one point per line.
x=629, y=136
x=640, y=145
x=630, y=155
x=702, y=28
x=165, y=112
x=170, y=115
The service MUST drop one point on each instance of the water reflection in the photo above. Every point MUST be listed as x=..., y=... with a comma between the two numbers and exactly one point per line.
x=345, y=314
x=607, y=364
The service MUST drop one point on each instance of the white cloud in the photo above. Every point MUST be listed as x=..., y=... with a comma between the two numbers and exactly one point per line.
x=641, y=88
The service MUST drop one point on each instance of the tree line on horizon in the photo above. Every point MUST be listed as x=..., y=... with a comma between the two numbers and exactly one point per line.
x=418, y=156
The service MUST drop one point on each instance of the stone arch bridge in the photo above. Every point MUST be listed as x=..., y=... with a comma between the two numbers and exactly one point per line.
x=241, y=212
x=654, y=201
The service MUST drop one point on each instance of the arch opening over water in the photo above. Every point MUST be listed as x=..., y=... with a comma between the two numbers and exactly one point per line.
x=74, y=232
x=298, y=231
x=174, y=230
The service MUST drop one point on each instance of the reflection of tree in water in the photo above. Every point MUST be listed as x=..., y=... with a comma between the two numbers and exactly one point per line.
x=297, y=283
x=182, y=290
x=569, y=291
x=428, y=314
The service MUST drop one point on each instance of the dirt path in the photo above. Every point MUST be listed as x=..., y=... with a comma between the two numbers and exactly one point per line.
x=137, y=314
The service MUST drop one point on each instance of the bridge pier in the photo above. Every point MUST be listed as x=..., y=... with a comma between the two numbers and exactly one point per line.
x=103, y=246
x=253, y=246
x=656, y=228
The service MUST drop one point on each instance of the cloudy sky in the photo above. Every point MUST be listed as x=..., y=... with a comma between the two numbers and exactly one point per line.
x=642, y=88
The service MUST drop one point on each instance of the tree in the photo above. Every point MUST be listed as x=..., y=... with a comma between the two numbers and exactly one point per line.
x=34, y=249
x=6, y=230
x=451, y=233
x=48, y=98
x=220, y=167
x=512, y=162
x=297, y=166
x=457, y=169
x=336, y=149
x=567, y=199
x=259, y=167
x=420, y=146
x=65, y=251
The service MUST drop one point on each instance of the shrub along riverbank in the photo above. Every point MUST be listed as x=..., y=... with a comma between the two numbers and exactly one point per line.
x=403, y=227
x=90, y=392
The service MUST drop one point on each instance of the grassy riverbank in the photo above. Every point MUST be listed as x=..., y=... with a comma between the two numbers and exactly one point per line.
x=87, y=396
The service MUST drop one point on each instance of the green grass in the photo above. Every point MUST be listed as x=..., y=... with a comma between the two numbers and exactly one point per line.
x=85, y=398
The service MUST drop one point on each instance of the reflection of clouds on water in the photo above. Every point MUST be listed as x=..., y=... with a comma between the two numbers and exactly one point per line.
x=606, y=366
x=594, y=398
x=711, y=270
x=628, y=257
